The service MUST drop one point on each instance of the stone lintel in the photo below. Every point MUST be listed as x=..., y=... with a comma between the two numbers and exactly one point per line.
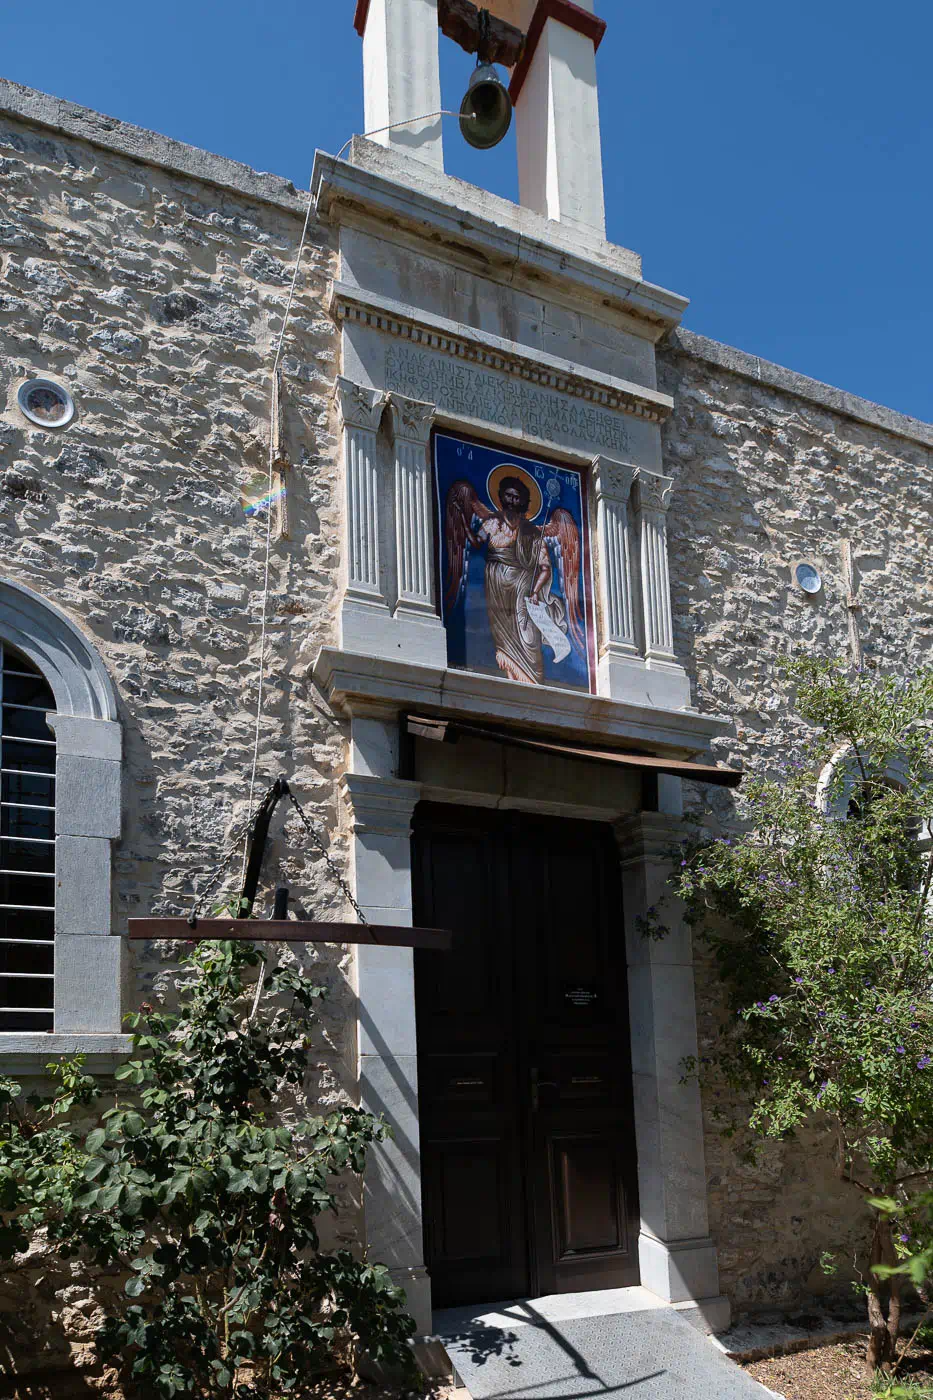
x=350, y=680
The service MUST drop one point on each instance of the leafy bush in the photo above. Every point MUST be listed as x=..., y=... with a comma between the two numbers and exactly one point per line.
x=822, y=928
x=205, y=1188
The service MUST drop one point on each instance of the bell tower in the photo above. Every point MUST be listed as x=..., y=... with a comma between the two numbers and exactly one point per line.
x=548, y=48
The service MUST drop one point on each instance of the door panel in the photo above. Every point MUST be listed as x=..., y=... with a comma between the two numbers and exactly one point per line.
x=523, y=1057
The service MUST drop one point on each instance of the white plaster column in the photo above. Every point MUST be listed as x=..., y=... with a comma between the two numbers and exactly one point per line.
x=401, y=77
x=560, y=168
x=619, y=657
x=414, y=526
x=365, y=605
x=652, y=498
x=677, y=1257
x=381, y=808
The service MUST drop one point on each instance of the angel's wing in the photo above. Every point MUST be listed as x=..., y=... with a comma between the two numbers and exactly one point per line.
x=463, y=508
x=563, y=537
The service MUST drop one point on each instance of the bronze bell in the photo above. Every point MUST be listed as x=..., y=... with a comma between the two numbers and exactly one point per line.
x=486, y=110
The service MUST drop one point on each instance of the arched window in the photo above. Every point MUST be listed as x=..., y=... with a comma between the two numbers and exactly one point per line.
x=61, y=958
x=27, y=846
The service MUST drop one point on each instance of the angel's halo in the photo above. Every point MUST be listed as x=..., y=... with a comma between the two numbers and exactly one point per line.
x=494, y=479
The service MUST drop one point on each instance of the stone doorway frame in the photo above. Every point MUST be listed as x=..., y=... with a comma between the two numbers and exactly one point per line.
x=676, y=1254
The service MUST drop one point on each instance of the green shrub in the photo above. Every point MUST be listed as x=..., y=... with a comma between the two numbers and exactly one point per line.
x=205, y=1187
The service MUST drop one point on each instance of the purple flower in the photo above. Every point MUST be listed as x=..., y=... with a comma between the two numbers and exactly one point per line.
x=798, y=980
x=830, y=969
x=773, y=998
x=924, y=1062
x=901, y=1050
x=858, y=1098
x=903, y=1238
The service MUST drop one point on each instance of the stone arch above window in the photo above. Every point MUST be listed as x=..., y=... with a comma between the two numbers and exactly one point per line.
x=838, y=784
x=88, y=956
x=69, y=662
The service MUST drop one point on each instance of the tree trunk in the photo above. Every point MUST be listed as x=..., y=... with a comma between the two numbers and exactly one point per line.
x=884, y=1323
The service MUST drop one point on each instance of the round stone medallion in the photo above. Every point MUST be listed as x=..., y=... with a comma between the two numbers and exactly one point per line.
x=808, y=578
x=46, y=403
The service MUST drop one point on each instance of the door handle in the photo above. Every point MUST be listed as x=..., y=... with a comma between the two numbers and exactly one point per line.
x=537, y=1084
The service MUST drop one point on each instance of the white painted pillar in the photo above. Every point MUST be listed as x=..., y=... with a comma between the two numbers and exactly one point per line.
x=381, y=808
x=361, y=412
x=401, y=77
x=618, y=650
x=677, y=1257
x=652, y=497
x=414, y=526
x=560, y=168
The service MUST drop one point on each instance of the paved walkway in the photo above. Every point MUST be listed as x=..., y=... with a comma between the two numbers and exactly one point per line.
x=588, y=1347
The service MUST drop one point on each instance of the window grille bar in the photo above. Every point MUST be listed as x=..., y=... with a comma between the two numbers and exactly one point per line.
x=18, y=751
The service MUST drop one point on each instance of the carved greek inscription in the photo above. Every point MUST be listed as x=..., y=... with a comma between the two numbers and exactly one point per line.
x=466, y=391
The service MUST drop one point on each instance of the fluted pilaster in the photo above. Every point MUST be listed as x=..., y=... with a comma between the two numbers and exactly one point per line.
x=652, y=495
x=414, y=527
x=612, y=483
x=361, y=412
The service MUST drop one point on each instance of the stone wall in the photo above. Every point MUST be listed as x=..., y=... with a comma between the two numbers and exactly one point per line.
x=155, y=297
x=767, y=476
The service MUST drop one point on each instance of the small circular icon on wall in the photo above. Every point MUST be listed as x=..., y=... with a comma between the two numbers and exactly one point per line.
x=808, y=578
x=46, y=403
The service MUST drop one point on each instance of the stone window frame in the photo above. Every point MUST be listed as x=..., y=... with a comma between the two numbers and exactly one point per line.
x=88, y=774
x=844, y=762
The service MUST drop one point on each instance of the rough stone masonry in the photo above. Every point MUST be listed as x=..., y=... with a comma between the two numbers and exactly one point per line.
x=151, y=279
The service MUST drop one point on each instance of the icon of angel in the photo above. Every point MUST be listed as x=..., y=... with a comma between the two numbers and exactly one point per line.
x=532, y=575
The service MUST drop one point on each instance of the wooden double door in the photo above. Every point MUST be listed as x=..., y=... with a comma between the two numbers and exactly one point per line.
x=525, y=1097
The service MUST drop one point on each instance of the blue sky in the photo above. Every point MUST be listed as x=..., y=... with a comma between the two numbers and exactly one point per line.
x=771, y=162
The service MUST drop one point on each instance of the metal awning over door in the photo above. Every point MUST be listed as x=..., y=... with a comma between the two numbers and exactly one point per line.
x=447, y=731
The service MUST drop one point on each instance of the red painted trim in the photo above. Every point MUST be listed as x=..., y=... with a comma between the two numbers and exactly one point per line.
x=565, y=12
x=361, y=16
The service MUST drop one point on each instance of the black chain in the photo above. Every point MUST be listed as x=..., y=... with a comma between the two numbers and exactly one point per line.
x=241, y=830
x=328, y=861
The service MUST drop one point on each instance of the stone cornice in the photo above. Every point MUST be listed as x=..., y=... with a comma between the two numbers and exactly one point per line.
x=394, y=318
x=354, y=683
x=565, y=12
x=799, y=386
x=454, y=218
x=148, y=147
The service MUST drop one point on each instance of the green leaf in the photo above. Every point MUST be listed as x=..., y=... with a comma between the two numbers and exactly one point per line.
x=95, y=1140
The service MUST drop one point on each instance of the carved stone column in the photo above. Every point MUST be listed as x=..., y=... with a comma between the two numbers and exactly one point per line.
x=414, y=527
x=652, y=497
x=361, y=412
x=618, y=649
